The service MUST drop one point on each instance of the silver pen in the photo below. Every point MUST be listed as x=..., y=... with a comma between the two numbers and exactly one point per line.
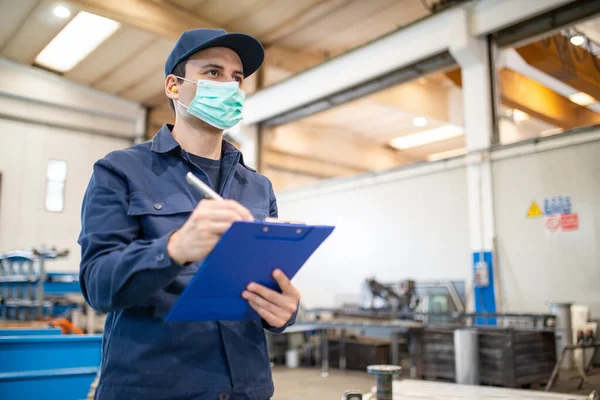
x=202, y=187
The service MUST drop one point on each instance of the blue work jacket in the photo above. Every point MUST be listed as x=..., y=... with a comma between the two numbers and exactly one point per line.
x=135, y=200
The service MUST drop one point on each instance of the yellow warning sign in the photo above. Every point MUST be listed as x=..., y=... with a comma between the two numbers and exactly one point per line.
x=534, y=211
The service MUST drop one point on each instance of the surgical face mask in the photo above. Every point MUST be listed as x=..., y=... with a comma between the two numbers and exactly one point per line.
x=217, y=103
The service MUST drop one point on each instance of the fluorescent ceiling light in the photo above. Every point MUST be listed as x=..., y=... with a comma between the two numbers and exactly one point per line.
x=420, y=121
x=62, y=12
x=583, y=99
x=447, y=154
x=551, y=132
x=82, y=35
x=426, y=137
x=577, y=40
x=520, y=116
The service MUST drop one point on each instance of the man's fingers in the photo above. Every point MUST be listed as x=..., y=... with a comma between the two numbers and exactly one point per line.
x=219, y=215
x=268, y=316
x=242, y=211
x=274, y=309
x=266, y=293
x=288, y=304
x=285, y=284
x=219, y=228
x=213, y=206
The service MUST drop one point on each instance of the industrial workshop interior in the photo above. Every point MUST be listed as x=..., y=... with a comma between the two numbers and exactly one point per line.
x=299, y=199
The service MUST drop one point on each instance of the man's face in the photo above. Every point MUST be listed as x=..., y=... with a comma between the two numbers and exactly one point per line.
x=215, y=64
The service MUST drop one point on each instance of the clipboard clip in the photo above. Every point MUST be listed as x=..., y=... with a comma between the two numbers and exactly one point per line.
x=283, y=221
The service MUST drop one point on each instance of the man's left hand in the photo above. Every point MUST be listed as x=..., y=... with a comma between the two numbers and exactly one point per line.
x=273, y=307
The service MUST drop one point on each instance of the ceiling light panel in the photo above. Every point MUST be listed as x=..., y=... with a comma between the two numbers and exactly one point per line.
x=583, y=99
x=426, y=137
x=82, y=35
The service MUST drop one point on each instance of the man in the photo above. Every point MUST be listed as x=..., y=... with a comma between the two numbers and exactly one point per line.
x=145, y=233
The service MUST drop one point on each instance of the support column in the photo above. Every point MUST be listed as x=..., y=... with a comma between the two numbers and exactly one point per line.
x=247, y=137
x=472, y=55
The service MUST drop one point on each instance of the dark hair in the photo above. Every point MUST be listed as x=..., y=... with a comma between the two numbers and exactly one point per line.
x=179, y=70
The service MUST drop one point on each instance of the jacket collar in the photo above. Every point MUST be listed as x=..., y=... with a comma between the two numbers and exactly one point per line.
x=164, y=142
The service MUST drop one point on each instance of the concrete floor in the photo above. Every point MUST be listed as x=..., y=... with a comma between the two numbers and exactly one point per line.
x=307, y=383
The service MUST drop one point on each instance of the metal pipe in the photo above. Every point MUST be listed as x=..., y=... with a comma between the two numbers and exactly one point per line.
x=343, y=350
x=384, y=379
x=325, y=353
x=564, y=332
x=466, y=356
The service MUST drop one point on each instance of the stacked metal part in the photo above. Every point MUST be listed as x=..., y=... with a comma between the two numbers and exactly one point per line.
x=22, y=280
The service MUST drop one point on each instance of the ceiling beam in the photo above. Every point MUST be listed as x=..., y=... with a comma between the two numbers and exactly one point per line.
x=416, y=98
x=305, y=165
x=167, y=20
x=340, y=150
x=573, y=65
x=292, y=60
x=525, y=94
x=153, y=16
x=315, y=12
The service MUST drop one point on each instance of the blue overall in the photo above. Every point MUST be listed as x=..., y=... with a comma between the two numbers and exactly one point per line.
x=135, y=200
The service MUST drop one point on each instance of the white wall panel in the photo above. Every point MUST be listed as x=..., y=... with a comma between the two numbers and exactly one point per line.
x=391, y=227
x=24, y=153
x=44, y=117
x=17, y=81
x=536, y=266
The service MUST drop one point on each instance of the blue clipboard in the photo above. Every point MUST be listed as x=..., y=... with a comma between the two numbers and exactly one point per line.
x=247, y=252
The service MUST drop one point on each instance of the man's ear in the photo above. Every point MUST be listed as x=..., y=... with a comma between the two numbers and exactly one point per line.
x=171, y=89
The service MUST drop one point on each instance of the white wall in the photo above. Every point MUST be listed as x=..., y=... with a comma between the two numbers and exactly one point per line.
x=412, y=223
x=24, y=153
x=43, y=117
x=536, y=266
x=394, y=226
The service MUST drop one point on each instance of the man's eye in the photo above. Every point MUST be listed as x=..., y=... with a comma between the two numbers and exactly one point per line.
x=213, y=72
x=238, y=79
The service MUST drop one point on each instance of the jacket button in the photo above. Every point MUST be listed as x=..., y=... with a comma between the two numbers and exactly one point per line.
x=224, y=396
x=160, y=257
x=158, y=206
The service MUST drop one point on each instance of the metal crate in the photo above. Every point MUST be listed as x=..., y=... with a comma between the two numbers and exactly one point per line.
x=507, y=357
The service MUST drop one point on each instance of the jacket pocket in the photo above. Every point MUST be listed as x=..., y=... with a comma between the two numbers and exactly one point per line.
x=141, y=203
x=159, y=216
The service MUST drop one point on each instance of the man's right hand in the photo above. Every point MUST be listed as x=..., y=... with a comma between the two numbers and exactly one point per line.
x=201, y=232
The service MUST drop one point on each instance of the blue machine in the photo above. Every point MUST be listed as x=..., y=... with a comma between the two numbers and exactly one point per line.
x=50, y=367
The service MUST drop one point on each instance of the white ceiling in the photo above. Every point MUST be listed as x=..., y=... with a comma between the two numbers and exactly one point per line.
x=130, y=63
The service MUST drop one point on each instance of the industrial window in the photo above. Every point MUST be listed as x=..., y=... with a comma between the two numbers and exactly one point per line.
x=56, y=175
x=413, y=114
x=549, y=84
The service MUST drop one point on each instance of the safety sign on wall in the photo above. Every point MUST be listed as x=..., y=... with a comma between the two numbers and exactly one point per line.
x=557, y=205
x=558, y=212
x=569, y=222
x=534, y=211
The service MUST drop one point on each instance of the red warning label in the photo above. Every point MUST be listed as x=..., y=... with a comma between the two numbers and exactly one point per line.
x=569, y=222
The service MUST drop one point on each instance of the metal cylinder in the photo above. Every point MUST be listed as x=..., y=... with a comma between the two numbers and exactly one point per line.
x=384, y=387
x=384, y=379
x=564, y=332
x=466, y=356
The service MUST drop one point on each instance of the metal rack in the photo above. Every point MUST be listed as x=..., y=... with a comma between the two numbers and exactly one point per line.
x=22, y=281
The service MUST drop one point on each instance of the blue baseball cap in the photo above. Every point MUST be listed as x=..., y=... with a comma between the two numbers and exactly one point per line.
x=249, y=49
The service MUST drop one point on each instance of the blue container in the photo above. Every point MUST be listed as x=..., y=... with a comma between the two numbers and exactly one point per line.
x=63, y=384
x=30, y=332
x=52, y=367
